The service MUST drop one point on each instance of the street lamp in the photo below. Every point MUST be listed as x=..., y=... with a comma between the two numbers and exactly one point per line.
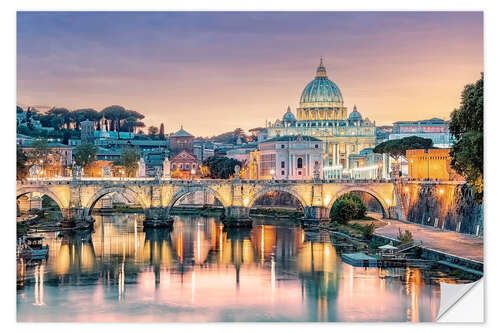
x=411, y=169
x=193, y=172
x=272, y=172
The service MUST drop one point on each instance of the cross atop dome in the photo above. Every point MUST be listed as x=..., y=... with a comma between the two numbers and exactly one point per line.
x=321, y=71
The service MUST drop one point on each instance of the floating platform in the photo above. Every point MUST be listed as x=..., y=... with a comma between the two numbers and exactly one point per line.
x=359, y=259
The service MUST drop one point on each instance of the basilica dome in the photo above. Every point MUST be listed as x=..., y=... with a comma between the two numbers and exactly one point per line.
x=321, y=91
x=288, y=117
x=355, y=115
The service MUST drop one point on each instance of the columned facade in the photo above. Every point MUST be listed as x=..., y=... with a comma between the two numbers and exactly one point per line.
x=321, y=114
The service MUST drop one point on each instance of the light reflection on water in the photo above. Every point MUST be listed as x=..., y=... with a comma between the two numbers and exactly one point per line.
x=200, y=272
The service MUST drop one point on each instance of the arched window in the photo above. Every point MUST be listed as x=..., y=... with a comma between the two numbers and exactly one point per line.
x=299, y=163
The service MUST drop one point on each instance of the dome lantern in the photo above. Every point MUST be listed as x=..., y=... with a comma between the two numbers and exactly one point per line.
x=321, y=71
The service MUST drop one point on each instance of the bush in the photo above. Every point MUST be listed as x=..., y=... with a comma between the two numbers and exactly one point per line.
x=342, y=208
x=368, y=231
x=406, y=237
x=343, y=211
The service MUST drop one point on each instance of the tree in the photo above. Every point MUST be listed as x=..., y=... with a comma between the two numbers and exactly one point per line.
x=360, y=206
x=85, y=114
x=162, y=131
x=466, y=125
x=85, y=155
x=21, y=164
x=115, y=114
x=19, y=109
x=343, y=211
x=405, y=237
x=398, y=147
x=66, y=137
x=40, y=153
x=61, y=113
x=152, y=130
x=129, y=161
x=220, y=167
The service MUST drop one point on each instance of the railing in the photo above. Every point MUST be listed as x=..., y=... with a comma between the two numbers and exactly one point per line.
x=88, y=180
x=406, y=247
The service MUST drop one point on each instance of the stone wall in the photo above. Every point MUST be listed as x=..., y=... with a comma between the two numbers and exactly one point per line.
x=445, y=206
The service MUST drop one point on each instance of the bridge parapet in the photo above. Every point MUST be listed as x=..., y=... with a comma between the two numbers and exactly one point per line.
x=77, y=197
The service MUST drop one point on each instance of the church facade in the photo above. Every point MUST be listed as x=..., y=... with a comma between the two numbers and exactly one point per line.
x=321, y=114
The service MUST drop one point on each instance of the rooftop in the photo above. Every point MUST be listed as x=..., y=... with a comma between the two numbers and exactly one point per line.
x=181, y=133
x=292, y=138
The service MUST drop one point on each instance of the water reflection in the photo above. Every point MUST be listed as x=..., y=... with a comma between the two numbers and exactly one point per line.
x=201, y=272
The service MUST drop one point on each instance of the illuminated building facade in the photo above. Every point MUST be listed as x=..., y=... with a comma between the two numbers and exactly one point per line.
x=184, y=165
x=430, y=164
x=289, y=157
x=321, y=114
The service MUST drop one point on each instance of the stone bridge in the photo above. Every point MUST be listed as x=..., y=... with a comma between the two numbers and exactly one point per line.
x=77, y=197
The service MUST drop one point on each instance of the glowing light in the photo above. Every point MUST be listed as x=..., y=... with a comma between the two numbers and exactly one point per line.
x=406, y=189
x=332, y=167
x=245, y=202
x=388, y=201
x=272, y=172
x=326, y=200
x=366, y=168
x=441, y=191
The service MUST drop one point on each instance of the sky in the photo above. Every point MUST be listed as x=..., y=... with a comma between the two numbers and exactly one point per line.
x=213, y=72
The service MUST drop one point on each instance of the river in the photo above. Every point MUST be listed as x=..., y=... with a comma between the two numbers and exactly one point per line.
x=200, y=272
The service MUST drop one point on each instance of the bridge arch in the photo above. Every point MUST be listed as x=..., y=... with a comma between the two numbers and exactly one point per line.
x=378, y=197
x=42, y=190
x=186, y=190
x=260, y=193
x=113, y=189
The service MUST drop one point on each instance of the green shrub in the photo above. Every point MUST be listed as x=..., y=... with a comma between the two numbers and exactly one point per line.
x=405, y=237
x=342, y=210
x=368, y=231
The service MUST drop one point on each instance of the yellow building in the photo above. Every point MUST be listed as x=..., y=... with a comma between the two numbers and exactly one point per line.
x=430, y=164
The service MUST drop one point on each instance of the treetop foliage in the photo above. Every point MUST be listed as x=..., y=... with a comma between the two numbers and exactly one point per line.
x=398, y=147
x=220, y=167
x=466, y=125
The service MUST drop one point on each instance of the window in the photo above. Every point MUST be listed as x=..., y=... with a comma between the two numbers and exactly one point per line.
x=186, y=166
x=299, y=163
x=316, y=146
x=300, y=173
x=282, y=146
x=282, y=164
x=173, y=166
x=282, y=172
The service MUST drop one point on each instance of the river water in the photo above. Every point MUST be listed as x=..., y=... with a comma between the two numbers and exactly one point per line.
x=200, y=272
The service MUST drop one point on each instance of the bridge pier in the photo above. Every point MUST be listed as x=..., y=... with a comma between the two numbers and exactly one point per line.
x=158, y=217
x=316, y=216
x=76, y=218
x=237, y=216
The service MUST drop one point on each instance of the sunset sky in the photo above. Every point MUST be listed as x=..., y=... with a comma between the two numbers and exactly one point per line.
x=213, y=72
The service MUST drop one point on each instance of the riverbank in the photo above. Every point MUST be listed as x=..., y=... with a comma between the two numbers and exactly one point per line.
x=454, y=250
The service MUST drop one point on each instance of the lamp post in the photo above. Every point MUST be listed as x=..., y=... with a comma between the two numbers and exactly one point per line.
x=411, y=169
